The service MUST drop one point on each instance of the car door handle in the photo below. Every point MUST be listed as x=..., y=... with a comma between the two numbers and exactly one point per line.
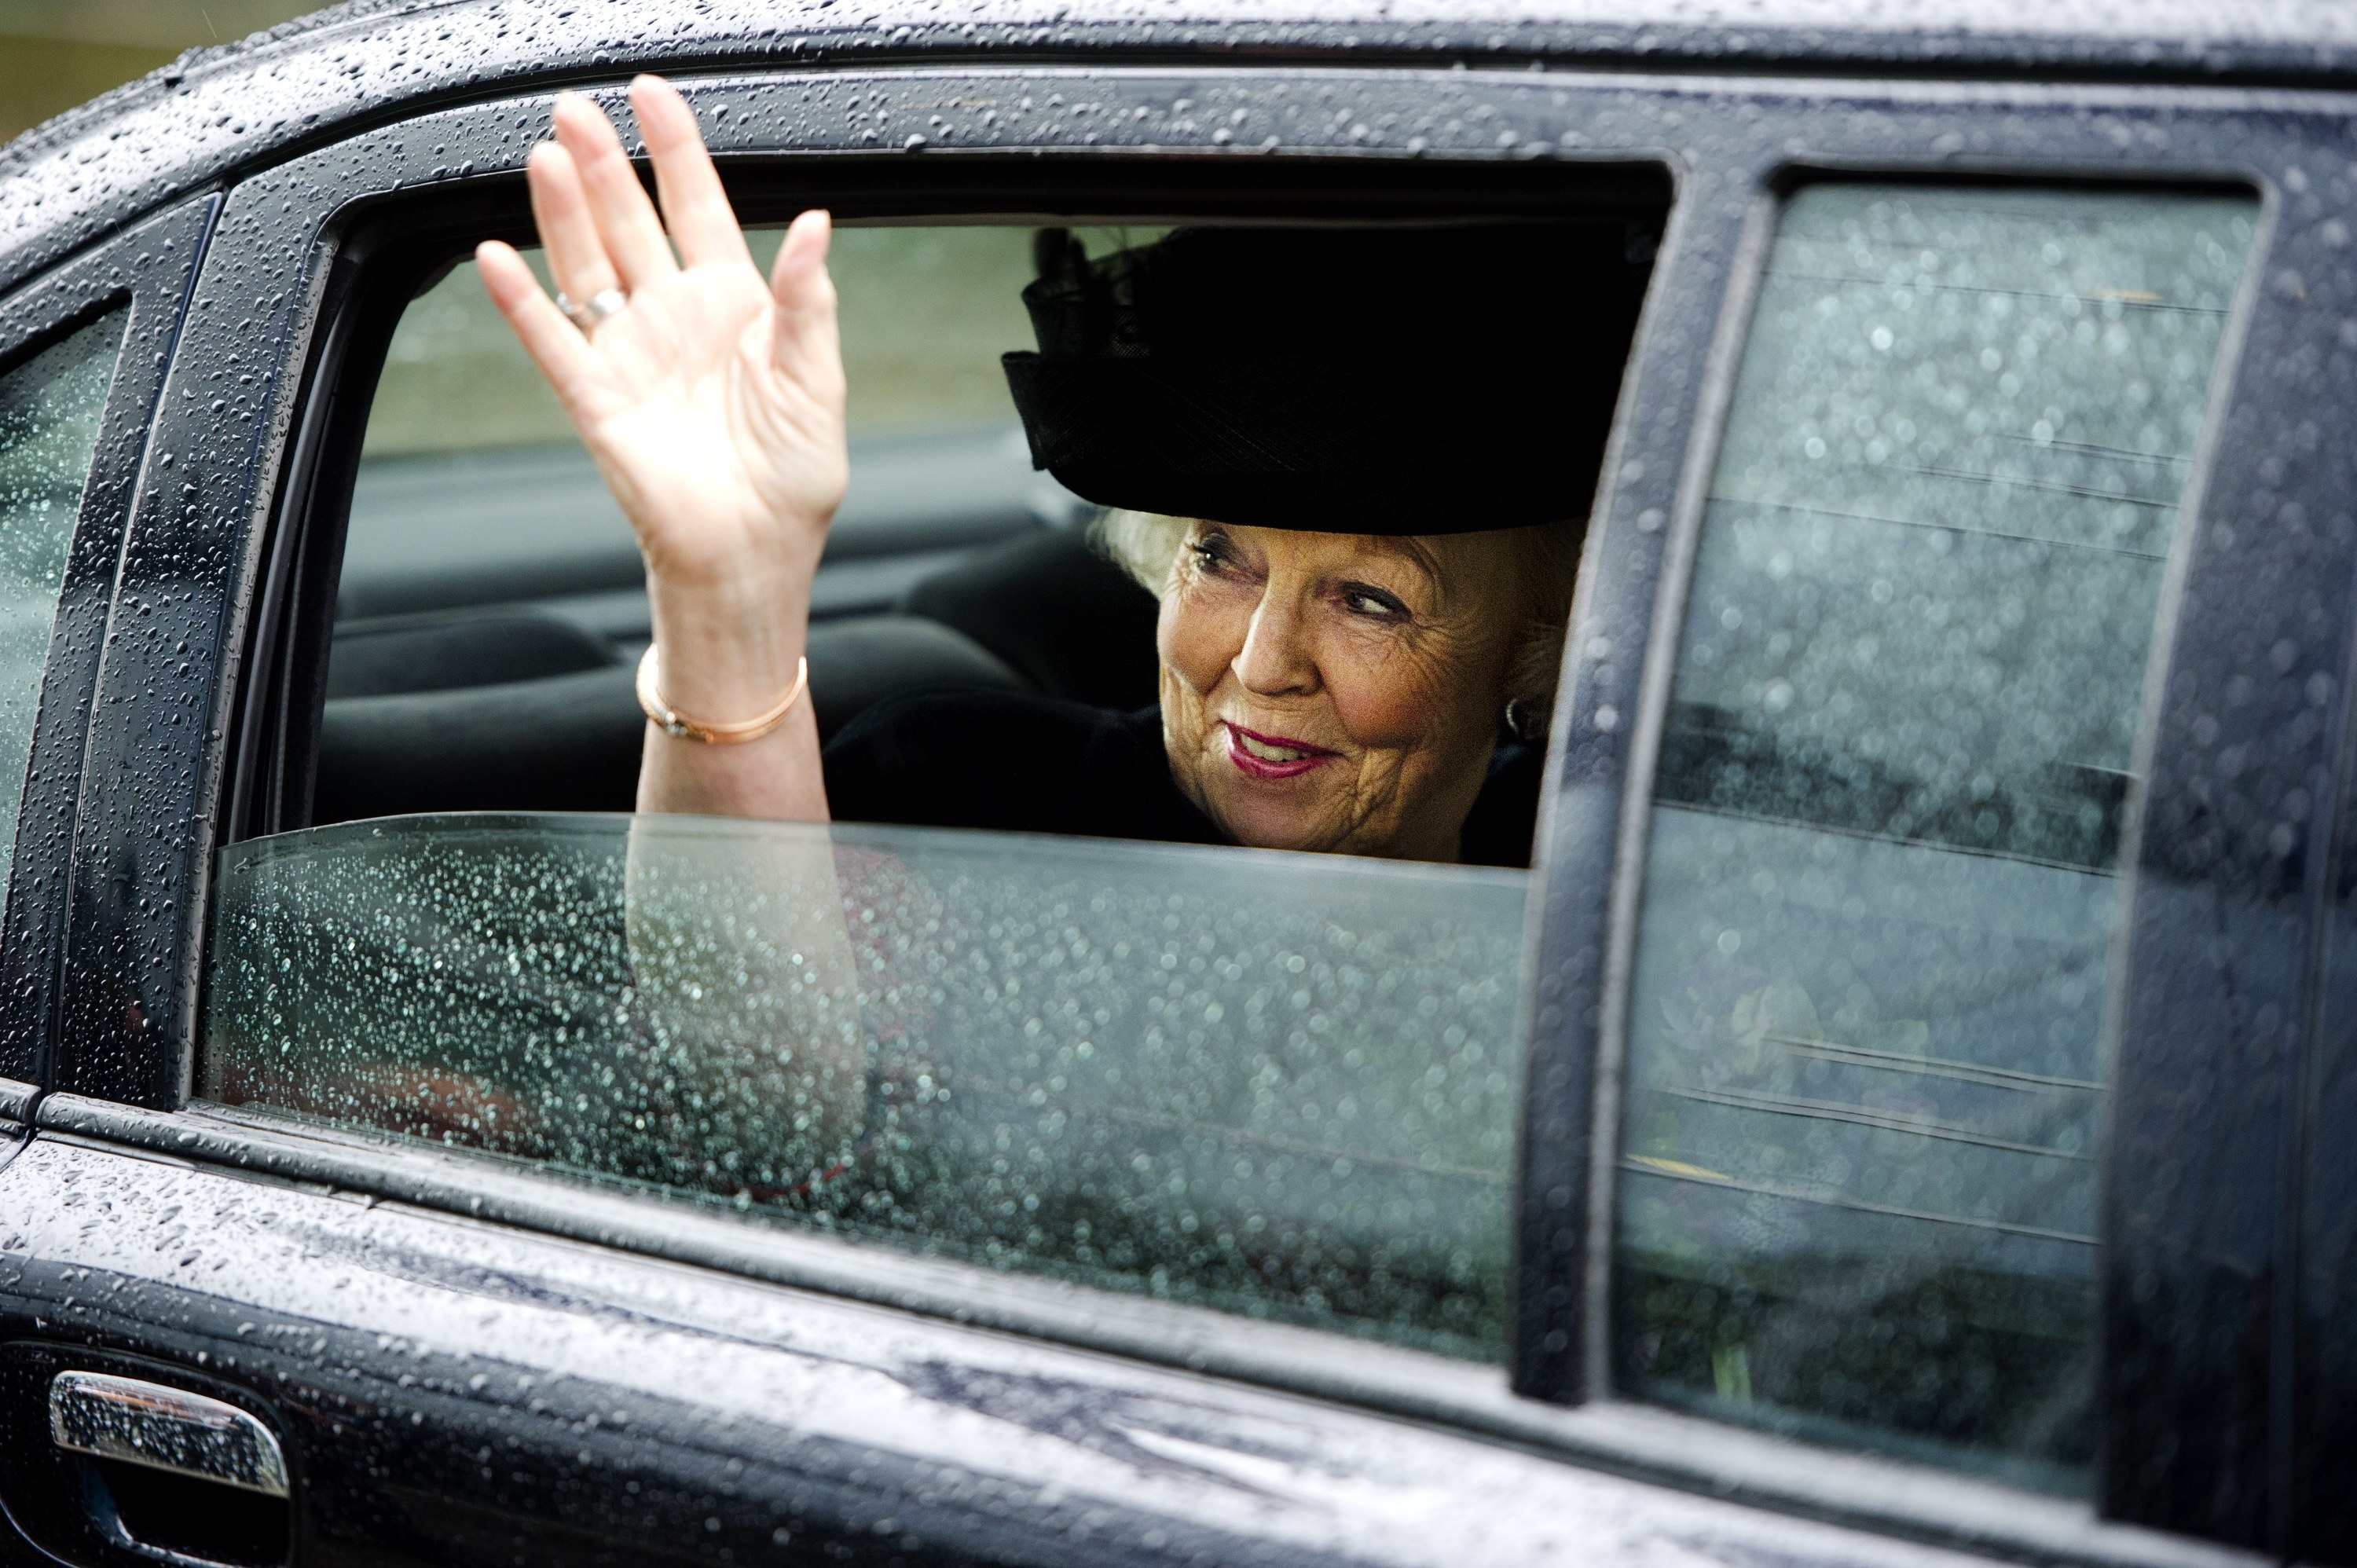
x=163, y=1428
x=104, y=1465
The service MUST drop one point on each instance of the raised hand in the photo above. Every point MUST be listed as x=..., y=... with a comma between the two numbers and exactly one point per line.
x=712, y=402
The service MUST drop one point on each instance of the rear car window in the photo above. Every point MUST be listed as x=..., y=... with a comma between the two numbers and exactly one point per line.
x=51, y=406
x=1866, y=1081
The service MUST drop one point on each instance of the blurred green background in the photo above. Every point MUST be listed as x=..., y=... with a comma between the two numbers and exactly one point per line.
x=926, y=310
x=56, y=53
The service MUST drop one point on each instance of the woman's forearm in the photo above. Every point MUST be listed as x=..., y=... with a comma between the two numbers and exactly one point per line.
x=746, y=977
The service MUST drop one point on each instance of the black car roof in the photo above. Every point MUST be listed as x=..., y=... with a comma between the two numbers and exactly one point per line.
x=215, y=111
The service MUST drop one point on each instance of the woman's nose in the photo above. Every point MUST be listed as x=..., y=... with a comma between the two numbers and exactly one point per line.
x=1276, y=658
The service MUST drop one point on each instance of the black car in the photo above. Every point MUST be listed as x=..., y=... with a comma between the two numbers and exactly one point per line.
x=1907, y=1107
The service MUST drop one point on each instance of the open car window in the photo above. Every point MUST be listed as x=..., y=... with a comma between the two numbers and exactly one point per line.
x=1865, y=1087
x=493, y=597
x=1282, y=1084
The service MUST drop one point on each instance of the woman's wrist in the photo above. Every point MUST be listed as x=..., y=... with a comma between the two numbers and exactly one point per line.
x=729, y=650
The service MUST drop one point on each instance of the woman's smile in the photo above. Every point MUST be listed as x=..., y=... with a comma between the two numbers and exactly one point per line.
x=1258, y=756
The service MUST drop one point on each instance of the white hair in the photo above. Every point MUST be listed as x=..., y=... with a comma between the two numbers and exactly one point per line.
x=1146, y=544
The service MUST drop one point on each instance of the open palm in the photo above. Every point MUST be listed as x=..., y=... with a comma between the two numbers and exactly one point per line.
x=711, y=401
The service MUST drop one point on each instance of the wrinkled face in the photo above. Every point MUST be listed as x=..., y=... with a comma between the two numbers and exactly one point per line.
x=1335, y=691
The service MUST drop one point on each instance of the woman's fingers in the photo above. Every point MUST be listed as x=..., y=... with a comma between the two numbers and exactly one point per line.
x=693, y=204
x=617, y=203
x=560, y=209
x=562, y=353
x=807, y=346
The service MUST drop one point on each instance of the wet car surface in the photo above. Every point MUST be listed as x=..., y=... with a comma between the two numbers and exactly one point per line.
x=477, y=1352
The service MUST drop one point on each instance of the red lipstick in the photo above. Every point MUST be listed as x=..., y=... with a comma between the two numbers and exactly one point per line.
x=1258, y=756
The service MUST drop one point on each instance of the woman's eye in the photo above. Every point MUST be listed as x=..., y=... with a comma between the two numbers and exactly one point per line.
x=1372, y=602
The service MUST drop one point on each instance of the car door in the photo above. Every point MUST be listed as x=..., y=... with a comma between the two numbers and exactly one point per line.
x=468, y=1344
x=374, y=1462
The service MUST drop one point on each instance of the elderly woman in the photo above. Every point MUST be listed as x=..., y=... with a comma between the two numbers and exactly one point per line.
x=1357, y=526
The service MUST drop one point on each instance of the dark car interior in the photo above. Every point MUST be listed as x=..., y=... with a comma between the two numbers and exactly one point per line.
x=492, y=608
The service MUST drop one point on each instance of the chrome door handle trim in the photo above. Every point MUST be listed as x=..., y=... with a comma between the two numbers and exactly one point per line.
x=165, y=1429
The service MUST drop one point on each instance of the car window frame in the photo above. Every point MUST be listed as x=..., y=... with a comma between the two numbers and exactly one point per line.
x=374, y=250
x=147, y=957
x=2322, y=1310
x=145, y=274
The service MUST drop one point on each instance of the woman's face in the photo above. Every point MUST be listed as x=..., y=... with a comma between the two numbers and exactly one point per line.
x=1335, y=691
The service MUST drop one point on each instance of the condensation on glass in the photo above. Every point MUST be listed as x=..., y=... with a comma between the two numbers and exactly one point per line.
x=50, y=409
x=1856, y=1191
x=1280, y=1084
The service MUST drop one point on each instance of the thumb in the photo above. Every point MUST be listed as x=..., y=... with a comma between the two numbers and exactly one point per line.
x=806, y=345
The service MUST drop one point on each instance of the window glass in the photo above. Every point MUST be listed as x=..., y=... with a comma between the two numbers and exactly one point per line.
x=1281, y=1084
x=1857, y=1180
x=50, y=409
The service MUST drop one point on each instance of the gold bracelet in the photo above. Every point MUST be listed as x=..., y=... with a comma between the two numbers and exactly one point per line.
x=672, y=722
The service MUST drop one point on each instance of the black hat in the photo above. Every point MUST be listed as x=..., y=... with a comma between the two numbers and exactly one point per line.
x=1348, y=381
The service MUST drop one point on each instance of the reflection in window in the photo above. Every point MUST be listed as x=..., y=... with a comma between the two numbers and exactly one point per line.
x=1280, y=1084
x=51, y=408
x=1857, y=1184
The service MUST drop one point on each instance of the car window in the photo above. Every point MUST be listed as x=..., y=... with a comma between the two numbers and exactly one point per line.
x=1865, y=1093
x=1113, y=1047
x=50, y=407
x=484, y=554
